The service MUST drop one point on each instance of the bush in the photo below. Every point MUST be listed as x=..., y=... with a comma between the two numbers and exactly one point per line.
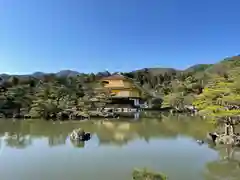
x=144, y=174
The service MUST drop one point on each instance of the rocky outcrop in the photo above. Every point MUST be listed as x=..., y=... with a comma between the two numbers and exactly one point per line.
x=80, y=135
x=229, y=137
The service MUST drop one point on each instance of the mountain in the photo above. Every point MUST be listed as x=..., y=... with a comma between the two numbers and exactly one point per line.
x=224, y=65
x=198, y=67
x=63, y=73
x=67, y=73
x=38, y=74
x=4, y=76
x=157, y=71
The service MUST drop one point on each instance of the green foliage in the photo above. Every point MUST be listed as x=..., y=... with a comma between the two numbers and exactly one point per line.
x=144, y=174
x=220, y=93
x=211, y=88
x=157, y=103
x=176, y=100
x=49, y=97
x=199, y=68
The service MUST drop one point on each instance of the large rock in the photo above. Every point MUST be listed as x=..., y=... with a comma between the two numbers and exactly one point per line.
x=224, y=139
x=79, y=134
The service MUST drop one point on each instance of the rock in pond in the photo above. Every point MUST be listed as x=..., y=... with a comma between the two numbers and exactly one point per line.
x=80, y=134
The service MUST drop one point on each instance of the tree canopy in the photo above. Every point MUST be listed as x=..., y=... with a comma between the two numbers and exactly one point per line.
x=213, y=88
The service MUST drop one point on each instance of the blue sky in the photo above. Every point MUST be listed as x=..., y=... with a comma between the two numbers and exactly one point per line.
x=117, y=35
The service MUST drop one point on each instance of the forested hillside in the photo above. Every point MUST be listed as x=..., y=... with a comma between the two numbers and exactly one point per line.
x=213, y=88
x=221, y=93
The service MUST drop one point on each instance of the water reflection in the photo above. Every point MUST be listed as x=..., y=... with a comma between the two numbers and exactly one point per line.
x=226, y=167
x=78, y=144
x=56, y=140
x=107, y=132
x=18, y=141
x=163, y=143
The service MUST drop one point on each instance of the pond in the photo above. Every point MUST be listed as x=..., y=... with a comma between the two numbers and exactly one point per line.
x=42, y=150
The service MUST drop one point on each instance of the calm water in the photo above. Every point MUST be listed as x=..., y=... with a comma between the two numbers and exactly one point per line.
x=43, y=150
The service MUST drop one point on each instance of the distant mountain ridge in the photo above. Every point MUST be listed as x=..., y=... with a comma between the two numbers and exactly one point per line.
x=62, y=73
x=198, y=68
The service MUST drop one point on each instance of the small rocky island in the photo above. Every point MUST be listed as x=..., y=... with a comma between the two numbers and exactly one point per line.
x=229, y=136
x=80, y=135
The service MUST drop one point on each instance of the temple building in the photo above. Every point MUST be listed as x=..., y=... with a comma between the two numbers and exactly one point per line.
x=124, y=91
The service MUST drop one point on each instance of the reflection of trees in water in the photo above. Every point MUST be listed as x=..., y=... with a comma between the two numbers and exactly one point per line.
x=55, y=140
x=18, y=136
x=56, y=133
x=115, y=133
x=151, y=114
x=227, y=167
x=153, y=128
x=115, y=138
x=112, y=132
x=18, y=141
